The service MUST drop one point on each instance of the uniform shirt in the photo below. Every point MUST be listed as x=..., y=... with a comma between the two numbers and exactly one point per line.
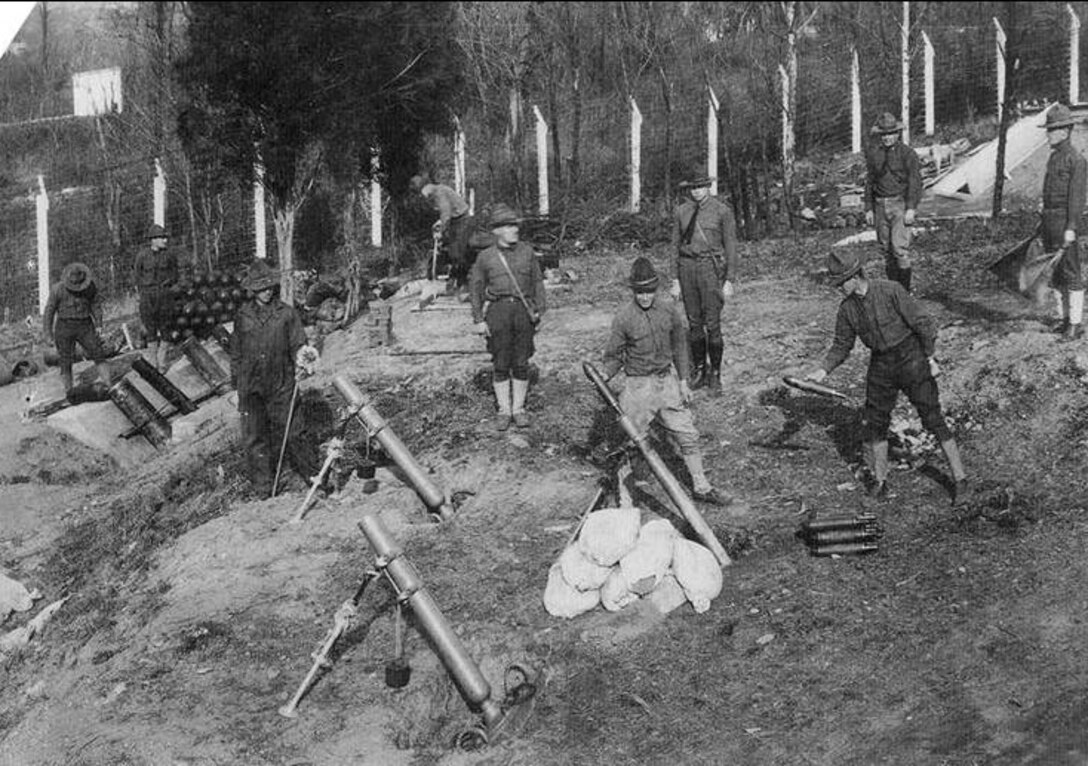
x=715, y=233
x=648, y=341
x=892, y=171
x=1064, y=184
x=65, y=304
x=883, y=318
x=263, y=346
x=489, y=279
x=155, y=269
x=446, y=201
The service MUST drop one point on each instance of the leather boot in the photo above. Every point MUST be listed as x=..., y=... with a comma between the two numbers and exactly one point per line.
x=876, y=460
x=698, y=363
x=715, y=350
x=905, y=278
x=519, y=390
x=66, y=377
x=959, y=476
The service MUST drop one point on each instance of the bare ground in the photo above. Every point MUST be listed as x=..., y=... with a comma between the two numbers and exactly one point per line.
x=195, y=608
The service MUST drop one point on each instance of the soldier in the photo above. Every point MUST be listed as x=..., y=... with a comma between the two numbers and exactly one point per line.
x=1063, y=205
x=705, y=237
x=893, y=190
x=901, y=337
x=156, y=270
x=454, y=224
x=508, y=279
x=266, y=349
x=73, y=314
x=649, y=342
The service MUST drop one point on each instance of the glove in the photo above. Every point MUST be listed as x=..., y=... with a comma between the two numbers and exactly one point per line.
x=868, y=217
x=480, y=328
x=908, y=218
x=934, y=368
x=1070, y=237
x=817, y=375
x=306, y=361
x=727, y=290
x=437, y=228
x=674, y=289
x=685, y=392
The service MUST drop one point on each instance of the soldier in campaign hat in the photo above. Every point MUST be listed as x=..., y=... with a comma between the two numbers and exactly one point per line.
x=73, y=314
x=893, y=190
x=156, y=270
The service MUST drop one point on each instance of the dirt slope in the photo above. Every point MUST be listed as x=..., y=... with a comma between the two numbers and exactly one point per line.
x=960, y=642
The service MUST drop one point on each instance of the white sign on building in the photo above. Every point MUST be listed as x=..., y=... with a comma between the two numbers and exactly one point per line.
x=96, y=92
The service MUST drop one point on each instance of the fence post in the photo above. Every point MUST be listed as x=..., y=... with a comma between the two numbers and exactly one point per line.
x=375, y=199
x=260, y=236
x=472, y=201
x=929, y=58
x=636, y=155
x=787, y=140
x=855, y=104
x=541, y=160
x=904, y=57
x=999, y=48
x=44, y=285
x=1074, y=55
x=158, y=193
x=458, y=158
x=712, y=140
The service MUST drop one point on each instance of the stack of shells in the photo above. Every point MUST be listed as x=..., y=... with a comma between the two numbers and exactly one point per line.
x=203, y=302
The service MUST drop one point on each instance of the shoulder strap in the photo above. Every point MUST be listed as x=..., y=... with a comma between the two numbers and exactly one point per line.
x=505, y=265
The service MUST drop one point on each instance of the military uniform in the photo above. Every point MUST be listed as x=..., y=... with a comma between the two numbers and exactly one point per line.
x=73, y=314
x=705, y=238
x=156, y=270
x=263, y=348
x=1063, y=204
x=893, y=186
x=455, y=223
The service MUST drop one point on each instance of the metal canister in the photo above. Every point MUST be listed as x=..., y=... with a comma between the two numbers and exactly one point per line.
x=204, y=363
x=858, y=534
x=139, y=411
x=845, y=549
x=162, y=384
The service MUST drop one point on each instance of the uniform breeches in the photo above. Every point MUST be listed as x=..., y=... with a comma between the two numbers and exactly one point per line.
x=902, y=368
x=263, y=421
x=69, y=332
x=893, y=234
x=1067, y=273
x=510, y=339
x=701, y=290
x=153, y=312
x=647, y=397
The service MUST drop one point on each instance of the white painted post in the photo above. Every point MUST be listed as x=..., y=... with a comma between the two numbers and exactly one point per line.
x=855, y=105
x=930, y=79
x=472, y=201
x=787, y=122
x=43, y=245
x=904, y=54
x=260, y=235
x=375, y=199
x=541, y=160
x=636, y=155
x=1074, y=55
x=999, y=47
x=458, y=158
x=159, y=195
x=712, y=140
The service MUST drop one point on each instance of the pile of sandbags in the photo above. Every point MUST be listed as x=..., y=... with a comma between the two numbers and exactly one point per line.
x=617, y=559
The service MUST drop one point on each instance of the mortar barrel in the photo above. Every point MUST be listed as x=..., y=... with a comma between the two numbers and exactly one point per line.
x=140, y=412
x=204, y=363
x=391, y=443
x=163, y=385
x=432, y=623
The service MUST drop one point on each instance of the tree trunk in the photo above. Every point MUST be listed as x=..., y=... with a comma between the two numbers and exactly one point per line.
x=284, y=219
x=666, y=93
x=1008, y=98
x=576, y=132
x=557, y=154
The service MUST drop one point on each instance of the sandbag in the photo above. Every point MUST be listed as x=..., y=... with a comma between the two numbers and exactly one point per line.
x=697, y=571
x=608, y=534
x=580, y=572
x=645, y=564
x=615, y=593
x=668, y=595
x=14, y=597
x=562, y=600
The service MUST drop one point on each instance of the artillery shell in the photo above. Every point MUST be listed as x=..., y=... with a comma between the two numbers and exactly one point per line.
x=838, y=522
x=828, y=536
x=844, y=549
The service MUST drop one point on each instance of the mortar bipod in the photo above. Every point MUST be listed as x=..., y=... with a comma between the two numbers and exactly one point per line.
x=376, y=427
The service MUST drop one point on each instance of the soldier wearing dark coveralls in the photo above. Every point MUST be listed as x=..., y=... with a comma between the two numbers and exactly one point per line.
x=649, y=342
x=705, y=238
x=893, y=190
x=265, y=348
x=901, y=337
x=1063, y=205
x=156, y=270
x=507, y=278
x=73, y=314
x=454, y=224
